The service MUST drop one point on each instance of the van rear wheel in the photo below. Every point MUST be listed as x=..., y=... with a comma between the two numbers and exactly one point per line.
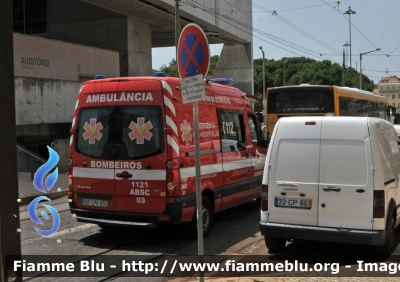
x=390, y=243
x=275, y=243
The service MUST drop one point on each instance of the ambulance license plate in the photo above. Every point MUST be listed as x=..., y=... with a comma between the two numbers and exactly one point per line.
x=95, y=203
x=293, y=203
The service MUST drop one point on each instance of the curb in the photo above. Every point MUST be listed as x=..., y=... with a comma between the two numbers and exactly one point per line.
x=52, y=195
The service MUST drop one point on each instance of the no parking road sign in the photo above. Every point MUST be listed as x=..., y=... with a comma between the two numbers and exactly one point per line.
x=193, y=52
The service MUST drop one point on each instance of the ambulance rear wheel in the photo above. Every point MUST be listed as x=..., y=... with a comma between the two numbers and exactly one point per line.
x=275, y=243
x=207, y=217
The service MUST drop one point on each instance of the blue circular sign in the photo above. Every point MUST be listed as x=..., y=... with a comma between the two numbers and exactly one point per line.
x=193, y=52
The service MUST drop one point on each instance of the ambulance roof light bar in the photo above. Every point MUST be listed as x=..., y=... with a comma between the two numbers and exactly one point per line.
x=99, y=76
x=223, y=80
x=159, y=73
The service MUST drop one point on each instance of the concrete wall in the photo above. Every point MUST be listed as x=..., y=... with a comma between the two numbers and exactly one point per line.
x=44, y=58
x=78, y=22
x=40, y=100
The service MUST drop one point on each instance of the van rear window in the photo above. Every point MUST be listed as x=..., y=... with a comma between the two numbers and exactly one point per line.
x=129, y=132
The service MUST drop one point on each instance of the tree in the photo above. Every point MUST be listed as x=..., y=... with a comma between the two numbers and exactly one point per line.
x=171, y=69
x=300, y=70
x=297, y=70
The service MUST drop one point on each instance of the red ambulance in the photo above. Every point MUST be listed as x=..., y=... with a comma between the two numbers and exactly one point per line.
x=131, y=154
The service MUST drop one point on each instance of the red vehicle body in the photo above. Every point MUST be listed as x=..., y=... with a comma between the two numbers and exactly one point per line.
x=132, y=152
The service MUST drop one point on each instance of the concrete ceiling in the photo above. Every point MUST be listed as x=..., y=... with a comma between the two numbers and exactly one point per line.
x=161, y=16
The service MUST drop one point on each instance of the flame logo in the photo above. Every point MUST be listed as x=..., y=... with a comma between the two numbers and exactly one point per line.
x=44, y=169
x=32, y=214
x=49, y=183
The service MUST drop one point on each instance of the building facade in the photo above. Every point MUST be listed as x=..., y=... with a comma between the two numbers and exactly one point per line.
x=47, y=77
x=59, y=44
x=389, y=87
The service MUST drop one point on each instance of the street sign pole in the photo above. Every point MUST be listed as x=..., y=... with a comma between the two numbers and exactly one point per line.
x=199, y=200
x=193, y=61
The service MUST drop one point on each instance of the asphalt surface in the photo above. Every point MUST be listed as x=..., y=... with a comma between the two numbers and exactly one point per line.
x=27, y=192
x=247, y=247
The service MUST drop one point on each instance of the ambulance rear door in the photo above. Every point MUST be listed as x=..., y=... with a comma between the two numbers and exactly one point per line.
x=92, y=161
x=140, y=165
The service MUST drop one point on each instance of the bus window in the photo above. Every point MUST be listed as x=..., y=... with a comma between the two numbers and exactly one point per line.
x=304, y=100
x=321, y=100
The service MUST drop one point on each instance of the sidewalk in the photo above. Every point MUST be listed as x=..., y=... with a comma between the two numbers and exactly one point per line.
x=259, y=248
x=27, y=192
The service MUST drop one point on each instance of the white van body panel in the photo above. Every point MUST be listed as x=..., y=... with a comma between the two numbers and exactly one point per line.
x=387, y=165
x=346, y=175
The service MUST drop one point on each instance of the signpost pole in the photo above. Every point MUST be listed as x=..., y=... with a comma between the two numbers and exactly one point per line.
x=199, y=200
x=193, y=91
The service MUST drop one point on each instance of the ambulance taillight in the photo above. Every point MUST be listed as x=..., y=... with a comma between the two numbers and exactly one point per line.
x=173, y=177
x=70, y=193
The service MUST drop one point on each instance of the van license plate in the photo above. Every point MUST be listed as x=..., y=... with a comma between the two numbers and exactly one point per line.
x=293, y=203
x=95, y=203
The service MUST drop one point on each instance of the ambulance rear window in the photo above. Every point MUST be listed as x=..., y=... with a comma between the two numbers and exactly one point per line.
x=126, y=132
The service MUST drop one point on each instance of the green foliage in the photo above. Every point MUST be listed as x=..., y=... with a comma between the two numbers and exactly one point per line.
x=297, y=70
x=213, y=65
x=300, y=70
x=171, y=69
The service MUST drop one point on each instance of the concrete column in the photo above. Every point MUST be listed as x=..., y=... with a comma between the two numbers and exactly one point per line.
x=236, y=61
x=10, y=238
x=139, y=47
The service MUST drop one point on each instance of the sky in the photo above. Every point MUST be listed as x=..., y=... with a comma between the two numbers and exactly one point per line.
x=318, y=29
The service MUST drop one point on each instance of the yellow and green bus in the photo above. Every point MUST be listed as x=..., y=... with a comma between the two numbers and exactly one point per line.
x=321, y=100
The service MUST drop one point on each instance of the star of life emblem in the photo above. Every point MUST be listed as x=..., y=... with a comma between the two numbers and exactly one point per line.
x=92, y=131
x=140, y=130
x=187, y=137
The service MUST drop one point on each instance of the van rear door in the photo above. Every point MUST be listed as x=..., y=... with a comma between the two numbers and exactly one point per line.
x=346, y=174
x=294, y=171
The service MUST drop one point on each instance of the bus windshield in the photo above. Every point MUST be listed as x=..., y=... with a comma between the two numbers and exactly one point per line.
x=300, y=100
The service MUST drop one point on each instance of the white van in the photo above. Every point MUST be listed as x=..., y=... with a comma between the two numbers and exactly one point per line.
x=331, y=179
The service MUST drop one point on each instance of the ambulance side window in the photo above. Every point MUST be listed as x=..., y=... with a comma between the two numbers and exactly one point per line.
x=232, y=130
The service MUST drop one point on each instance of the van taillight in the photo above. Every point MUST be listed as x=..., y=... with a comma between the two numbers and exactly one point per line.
x=264, y=197
x=379, y=204
x=173, y=177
